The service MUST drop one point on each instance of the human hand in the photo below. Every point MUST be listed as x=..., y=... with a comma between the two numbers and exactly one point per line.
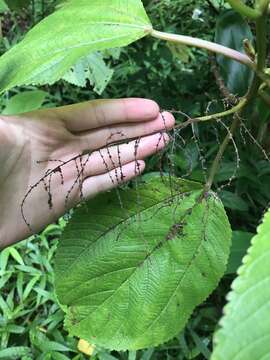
x=30, y=140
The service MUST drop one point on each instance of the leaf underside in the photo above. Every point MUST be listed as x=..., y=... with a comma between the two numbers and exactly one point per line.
x=79, y=28
x=129, y=277
x=245, y=327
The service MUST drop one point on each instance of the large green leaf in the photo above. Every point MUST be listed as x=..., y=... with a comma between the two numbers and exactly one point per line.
x=129, y=277
x=245, y=327
x=80, y=27
x=231, y=30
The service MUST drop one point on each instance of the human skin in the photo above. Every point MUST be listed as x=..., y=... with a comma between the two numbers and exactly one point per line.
x=30, y=140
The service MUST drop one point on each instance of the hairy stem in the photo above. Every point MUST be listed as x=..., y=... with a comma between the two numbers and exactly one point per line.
x=203, y=44
x=244, y=10
x=216, y=116
x=233, y=110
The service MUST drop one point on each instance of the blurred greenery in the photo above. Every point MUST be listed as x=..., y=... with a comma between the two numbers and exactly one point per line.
x=184, y=79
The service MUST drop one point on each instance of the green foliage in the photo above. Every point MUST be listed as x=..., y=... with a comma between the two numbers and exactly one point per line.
x=15, y=352
x=29, y=315
x=18, y=333
x=175, y=82
x=244, y=333
x=129, y=277
x=24, y=102
x=3, y=6
x=92, y=68
x=240, y=244
x=231, y=31
x=233, y=201
x=44, y=56
x=17, y=4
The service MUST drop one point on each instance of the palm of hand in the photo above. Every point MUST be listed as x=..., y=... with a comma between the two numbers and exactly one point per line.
x=40, y=157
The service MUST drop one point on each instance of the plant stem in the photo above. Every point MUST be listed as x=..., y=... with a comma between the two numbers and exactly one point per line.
x=261, y=25
x=261, y=42
x=263, y=6
x=261, y=37
x=244, y=10
x=265, y=97
x=265, y=78
x=231, y=111
x=203, y=44
x=223, y=146
x=216, y=116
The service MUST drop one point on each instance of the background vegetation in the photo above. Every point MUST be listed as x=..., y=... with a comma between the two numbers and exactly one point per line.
x=187, y=80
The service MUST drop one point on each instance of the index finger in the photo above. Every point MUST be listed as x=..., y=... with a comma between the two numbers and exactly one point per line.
x=100, y=113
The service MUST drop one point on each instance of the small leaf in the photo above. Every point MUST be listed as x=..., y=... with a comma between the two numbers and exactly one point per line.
x=29, y=287
x=58, y=356
x=4, y=255
x=245, y=326
x=41, y=342
x=24, y=102
x=231, y=30
x=53, y=46
x=15, y=352
x=181, y=52
x=92, y=68
x=233, y=201
x=16, y=256
x=130, y=276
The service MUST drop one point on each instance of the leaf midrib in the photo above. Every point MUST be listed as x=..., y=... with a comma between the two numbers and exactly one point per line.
x=194, y=257
x=120, y=223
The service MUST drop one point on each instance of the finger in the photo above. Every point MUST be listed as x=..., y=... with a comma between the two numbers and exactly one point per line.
x=99, y=113
x=102, y=137
x=106, y=159
x=100, y=183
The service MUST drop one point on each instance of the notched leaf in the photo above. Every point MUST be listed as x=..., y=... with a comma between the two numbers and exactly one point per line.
x=54, y=45
x=245, y=326
x=131, y=275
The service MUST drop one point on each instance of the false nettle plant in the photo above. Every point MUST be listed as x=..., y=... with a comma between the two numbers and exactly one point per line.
x=129, y=276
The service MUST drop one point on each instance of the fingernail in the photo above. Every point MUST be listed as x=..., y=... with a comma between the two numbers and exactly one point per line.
x=166, y=138
x=168, y=119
